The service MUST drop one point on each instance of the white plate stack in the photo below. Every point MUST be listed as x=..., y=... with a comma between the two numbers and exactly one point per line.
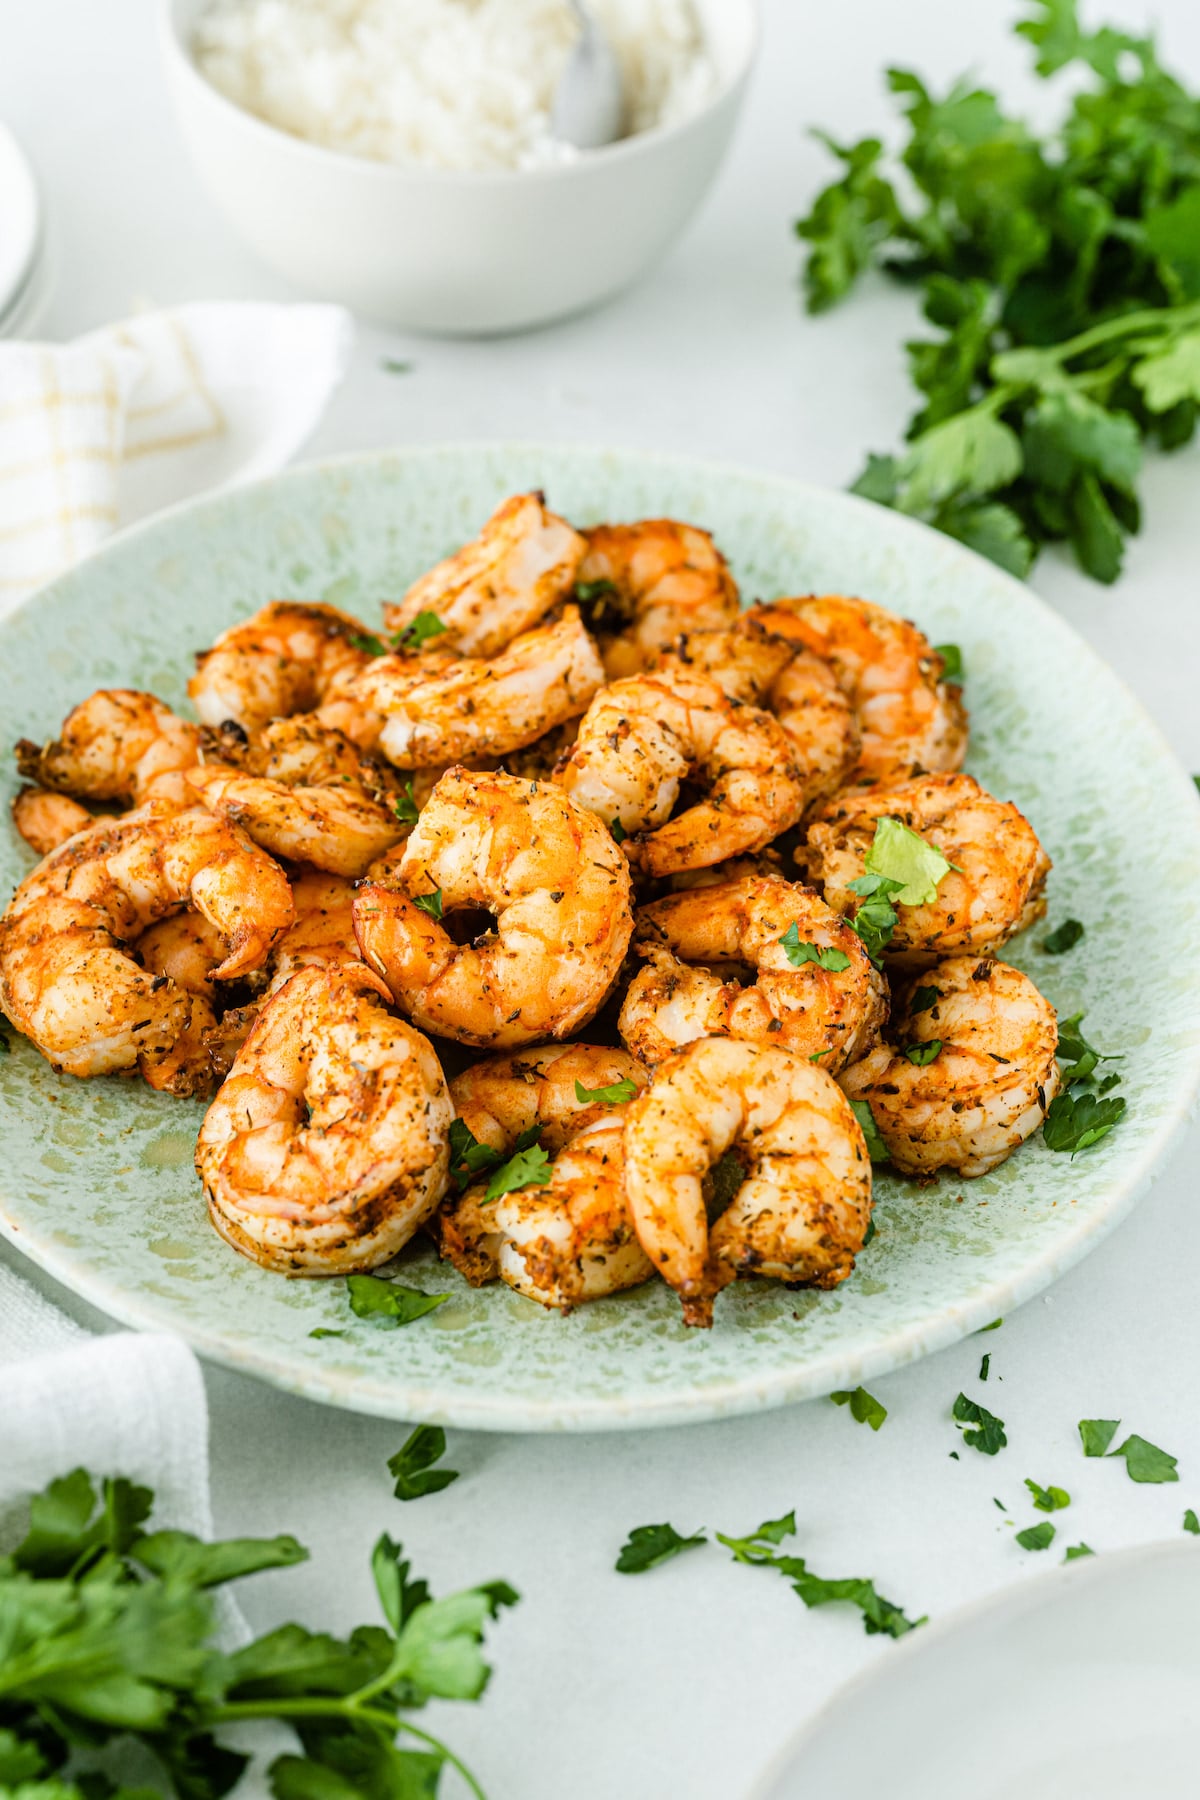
x=24, y=265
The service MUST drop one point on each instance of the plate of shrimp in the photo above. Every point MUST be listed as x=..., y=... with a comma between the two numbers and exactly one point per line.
x=603, y=898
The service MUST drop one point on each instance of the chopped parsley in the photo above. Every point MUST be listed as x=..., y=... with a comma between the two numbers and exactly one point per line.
x=863, y=1406
x=994, y=1326
x=1077, y=1058
x=413, y=1463
x=1145, y=1461
x=325, y=1331
x=1036, y=1537
x=877, y=1150
x=924, y=999
x=798, y=952
x=469, y=1159
x=392, y=365
x=988, y=1437
x=618, y=1093
x=429, y=903
x=1048, y=1499
x=1064, y=937
x=1076, y=1121
x=1075, y=1551
x=526, y=1168
x=418, y=631
x=619, y=833
x=1097, y=1434
x=878, y=1613
x=386, y=1302
x=1191, y=1522
x=405, y=807
x=649, y=1545
x=876, y=917
x=369, y=643
x=985, y=1367
x=923, y=1053
x=902, y=856
x=587, y=592
x=952, y=663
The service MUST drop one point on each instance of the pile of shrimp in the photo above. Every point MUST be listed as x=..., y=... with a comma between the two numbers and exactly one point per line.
x=540, y=921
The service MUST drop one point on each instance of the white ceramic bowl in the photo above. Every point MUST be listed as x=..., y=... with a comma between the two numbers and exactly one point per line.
x=459, y=253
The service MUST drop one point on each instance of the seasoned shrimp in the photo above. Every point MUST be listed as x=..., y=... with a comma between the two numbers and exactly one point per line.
x=185, y=949
x=641, y=585
x=801, y=1213
x=289, y=658
x=117, y=745
x=997, y=878
x=775, y=672
x=642, y=738
x=306, y=793
x=67, y=978
x=46, y=819
x=475, y=708
x=558, y=888
x=521, y=565
x=987, y=1072
x=326, y=1147
x=830, y=1011
x=911, y=720
x=572, y=1239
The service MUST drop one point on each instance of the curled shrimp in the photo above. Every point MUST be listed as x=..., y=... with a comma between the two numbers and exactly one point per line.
x=289, y=658
x=550, y=876
x=829, y=1007
x=184, y=949
x=307, y=794
x=643, y=737
x=642, y=584
x=521, y=565
x=46, y=819
x=778, y=673
x=326, y=1147
x=983, y=1073
x=119, y=745
x=571, y=1239
x=475, y=708
x=67, y=978
x=996, y=883
x=911, y=719
x=802, y=1210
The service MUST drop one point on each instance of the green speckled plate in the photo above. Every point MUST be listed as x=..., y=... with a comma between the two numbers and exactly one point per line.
x=96, y=1180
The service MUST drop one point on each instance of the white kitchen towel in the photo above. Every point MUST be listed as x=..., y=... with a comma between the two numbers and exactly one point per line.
x=100, y=432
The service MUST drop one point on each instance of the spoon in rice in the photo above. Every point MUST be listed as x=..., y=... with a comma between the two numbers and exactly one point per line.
x=589, y=105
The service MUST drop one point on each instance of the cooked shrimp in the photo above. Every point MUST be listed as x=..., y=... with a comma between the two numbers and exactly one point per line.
x=326, y=1147
x=572, y=1239
x=117, y=745
x=911, y=720
x=641, y=585
x=995, y=886
x=831, y=1014
x=558, y=888
x=45, y=819
x=307, y=794
x=67, y=978
x=288, y=658
x=775, y=672
x=987, y=1076
x=642, y=738
x=476, y=708
x=521, y=565
x=801, y=1213
x=186, y=949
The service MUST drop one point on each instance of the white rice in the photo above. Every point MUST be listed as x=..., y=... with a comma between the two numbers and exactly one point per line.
x=447, y=84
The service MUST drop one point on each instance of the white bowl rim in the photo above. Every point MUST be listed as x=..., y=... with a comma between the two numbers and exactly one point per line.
x=176, y=51
x=1025, y=1593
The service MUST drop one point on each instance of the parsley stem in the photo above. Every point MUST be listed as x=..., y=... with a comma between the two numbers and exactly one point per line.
x=332, y=1707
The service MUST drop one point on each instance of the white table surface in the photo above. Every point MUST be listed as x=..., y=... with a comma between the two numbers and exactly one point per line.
x=687, y=1679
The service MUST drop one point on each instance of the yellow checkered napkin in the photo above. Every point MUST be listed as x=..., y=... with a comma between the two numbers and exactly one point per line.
x=100, y=432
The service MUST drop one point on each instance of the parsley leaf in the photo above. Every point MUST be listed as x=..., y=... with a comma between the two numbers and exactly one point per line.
x=1077, y=1058
x=952, y=663
x=1075, y=1551
x=527, y=1168
x=1051, y=1499
x=924, y=999
x=325, y=1331
x=798, y=953
x=877, y=1150
x=863, y=1406
x=429, y=903
x=588, y=591
x=619, y=833
x=649, y=1545
x=879, y=1614
x=1064, y=937
x=876, y=917
x=921, y=1054
x=1145, y=1461
x=418, y=631
x=1075, y=1121
x=1036, y=1537
x=405, y=807
x=368, y=642
x=994, y=1326
x=413, y=1463
x=469, y=1158
x=618, y=1093
x=386, y=1302
x=989, y=1437
x=1191, y=1522
x=1097, y=1434
x=903, y=857
x=985, y=1366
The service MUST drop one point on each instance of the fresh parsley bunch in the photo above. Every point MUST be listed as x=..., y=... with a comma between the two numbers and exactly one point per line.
x=1063, y=275
x=106, y=1634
